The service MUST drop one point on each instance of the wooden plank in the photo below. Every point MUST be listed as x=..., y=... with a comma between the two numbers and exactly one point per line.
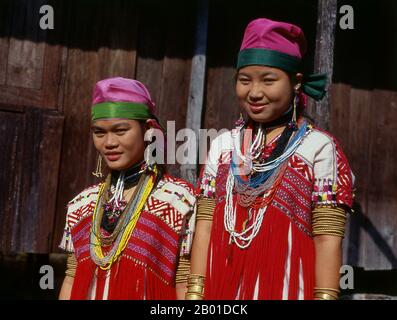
x=26, y=55
x=33, y=221
x=4, y=39
x=176, y=71
x=25, y=228
x=357, y=153
x=3, y=59
x=30, y=180
x=150, y=51
x=221, y=105
x=119, y=55
x=381, y=240
x=196, y=88
x=49, y=154
x=33, y=61
x=11, y=140
x=25, y=64
x=324, y=57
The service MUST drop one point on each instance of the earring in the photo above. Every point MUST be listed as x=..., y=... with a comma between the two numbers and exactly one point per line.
x=295, y=103
x=98, y=170
x=293, y=123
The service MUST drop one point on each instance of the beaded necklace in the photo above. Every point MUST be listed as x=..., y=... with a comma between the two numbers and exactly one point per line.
x=263, y=179
x=125, y=226
x=114, y=203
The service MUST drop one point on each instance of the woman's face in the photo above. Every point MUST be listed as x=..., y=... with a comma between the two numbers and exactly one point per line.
x=265, y=93
x=119, y=141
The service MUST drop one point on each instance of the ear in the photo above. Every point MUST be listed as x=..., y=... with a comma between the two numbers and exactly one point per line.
x=299, y=77
x=147, y=125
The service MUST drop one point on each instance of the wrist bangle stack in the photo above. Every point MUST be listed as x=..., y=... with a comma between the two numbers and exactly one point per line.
x=71, y=265
x=195, y=287
x=329, y=221
x=326, y=293
x=205, y=209
x=183, y=270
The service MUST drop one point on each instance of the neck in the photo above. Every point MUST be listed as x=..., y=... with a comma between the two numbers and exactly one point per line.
x=131, y=174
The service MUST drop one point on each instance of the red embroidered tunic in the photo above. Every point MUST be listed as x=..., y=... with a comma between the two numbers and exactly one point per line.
x=279, y=263
x=146, y=269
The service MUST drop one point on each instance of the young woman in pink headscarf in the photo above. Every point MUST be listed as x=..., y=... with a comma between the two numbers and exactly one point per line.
x=127, y=237
x=275, y=191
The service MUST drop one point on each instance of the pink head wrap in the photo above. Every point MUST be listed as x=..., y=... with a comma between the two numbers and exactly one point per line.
x=122, y=90
x=276, y=36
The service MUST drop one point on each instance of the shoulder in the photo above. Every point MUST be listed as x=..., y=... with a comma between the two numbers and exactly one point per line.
x=220, y=149
x=179, y=182
x=318, y=139
x=177, y=192
x=318, y=143
x=84, y=200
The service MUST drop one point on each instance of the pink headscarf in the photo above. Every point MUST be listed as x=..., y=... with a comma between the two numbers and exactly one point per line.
x=122, y=90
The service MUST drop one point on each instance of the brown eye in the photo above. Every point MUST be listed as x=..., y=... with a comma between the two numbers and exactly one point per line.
x=243, y=80
x=99, y=134
x=269, y=81
x=121, y=131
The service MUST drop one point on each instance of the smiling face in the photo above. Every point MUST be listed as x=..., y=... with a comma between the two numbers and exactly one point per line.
x=119, y=141
x=265, y=93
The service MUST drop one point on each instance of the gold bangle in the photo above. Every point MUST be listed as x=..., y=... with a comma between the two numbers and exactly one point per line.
x=195, y=277
x=189, y=296
x=328, y=289
x=325, y=296
x=332, y=293
x=71, y=265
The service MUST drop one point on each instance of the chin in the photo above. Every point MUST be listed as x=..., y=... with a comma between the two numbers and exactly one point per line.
x=116, y=166
x=261, y=118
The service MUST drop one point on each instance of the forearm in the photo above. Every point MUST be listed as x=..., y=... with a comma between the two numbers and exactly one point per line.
x=201, y=241
x=181, y=289
x=66, y=288
x=328, y=262
x=200, y=247
x=328, y=231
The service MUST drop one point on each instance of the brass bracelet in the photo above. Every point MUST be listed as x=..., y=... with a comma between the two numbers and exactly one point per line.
x=325, y=296
x=327, y=289
x=205, y=209
x=195, y=287
x=183, y=270
x=190, y=296
x=71, y=265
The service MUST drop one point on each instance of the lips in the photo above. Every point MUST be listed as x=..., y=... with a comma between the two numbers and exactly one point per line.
x=256, y=108
x=113, y=156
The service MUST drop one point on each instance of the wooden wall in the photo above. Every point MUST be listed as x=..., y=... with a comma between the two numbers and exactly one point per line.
x=363, y=117
x=46, y=81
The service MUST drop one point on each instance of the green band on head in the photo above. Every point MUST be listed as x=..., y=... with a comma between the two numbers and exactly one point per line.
x=264, y=57
x=124, y=110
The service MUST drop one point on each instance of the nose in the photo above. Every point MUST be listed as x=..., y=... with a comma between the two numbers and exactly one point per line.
x=111, y=141
x=256, y=92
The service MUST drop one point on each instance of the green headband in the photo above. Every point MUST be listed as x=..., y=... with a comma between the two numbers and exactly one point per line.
x=254, y=56
x=124, y=110
x=313, y=85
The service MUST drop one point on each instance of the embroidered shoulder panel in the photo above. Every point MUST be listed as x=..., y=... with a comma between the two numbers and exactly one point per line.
x=82, y=205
